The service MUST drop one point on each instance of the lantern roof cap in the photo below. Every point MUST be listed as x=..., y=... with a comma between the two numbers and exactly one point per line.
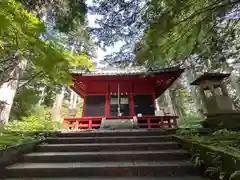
x=210, y=76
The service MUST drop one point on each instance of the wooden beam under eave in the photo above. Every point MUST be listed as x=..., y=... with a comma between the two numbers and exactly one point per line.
x=82, y=94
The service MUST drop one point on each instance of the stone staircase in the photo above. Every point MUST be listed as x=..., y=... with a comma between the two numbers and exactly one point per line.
x=101, y=155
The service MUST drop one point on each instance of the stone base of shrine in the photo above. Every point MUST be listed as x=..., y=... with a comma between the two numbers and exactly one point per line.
x=229, y=120
x=119, y=124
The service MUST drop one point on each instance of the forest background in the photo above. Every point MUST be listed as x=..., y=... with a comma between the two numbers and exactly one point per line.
x=41, y=41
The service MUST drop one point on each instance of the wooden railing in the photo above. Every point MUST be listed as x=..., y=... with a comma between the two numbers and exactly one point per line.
x=157, y=121
x=82, y=122
x=143, y=122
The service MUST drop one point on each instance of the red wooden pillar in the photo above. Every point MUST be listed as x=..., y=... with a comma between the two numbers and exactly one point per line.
x=84, y=106
x=84, y=99
x=131, y=104
x=107, y=105
x=148, y=123
x=131, y=100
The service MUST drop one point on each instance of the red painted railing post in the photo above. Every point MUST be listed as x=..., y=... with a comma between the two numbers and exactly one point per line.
x=162, y=122
x=76, y=125
x=90, y=124
x=64, y=124
x=149, y=123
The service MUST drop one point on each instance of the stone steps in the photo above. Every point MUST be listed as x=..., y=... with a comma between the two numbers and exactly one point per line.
x=113, y=169
x=115, y=139
x=107, y=147
x=111, y=133
x=117, y=156
x=105, y=155
x=116, y=178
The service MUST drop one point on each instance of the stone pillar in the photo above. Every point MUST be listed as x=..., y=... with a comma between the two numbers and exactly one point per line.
x=224, y=90
x=211, y=88
x=203, y=96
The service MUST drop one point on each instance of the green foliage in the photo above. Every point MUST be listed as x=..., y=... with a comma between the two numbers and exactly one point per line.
x=22, y=32
x=32, y=123
x=73, y=11
x=217, y=168
x=224, y=134
x=24, y=102
x=178, y=29
x=196, y=159
x=235, y=175
x=163, y=32
x=118, y=21
x=9, y=139
x=219, y=163
x=189, y=122
x=66, y=12
x=19, y=29
x=188, y=132
x=223, y=139
x=40, y=111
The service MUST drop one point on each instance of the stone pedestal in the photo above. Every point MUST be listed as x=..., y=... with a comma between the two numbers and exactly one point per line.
x=219, y=104
x=119, y=124
x=223, y=120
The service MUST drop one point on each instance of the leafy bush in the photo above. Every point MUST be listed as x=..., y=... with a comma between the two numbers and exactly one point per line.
x=190, y=122
x=217, y=161
x=188, y=132
x=24, y=103
x=225, y=134
x=223, y=139
x=33, y=123
x=8, y=139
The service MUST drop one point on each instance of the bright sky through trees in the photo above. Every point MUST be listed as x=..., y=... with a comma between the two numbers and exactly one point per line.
x=100, y=52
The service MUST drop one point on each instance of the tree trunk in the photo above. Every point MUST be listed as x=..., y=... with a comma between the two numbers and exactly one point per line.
x=75, y=99
x=169, y=102
x=197, y=101
x=9, y=86
x=180, y=104
x=234, y=80
x=177, y=99
x=57, y=106
x=42, y=96
x=73, y=102
x=174, y=106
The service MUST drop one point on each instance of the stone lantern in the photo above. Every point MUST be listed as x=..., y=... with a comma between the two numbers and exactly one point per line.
x=219, y=107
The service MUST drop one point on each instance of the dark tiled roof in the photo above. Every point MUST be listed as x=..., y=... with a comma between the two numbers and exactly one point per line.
x=210, y=76
x=139, y=70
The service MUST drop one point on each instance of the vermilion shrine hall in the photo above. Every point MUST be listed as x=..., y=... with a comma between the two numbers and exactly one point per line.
x=122, y=94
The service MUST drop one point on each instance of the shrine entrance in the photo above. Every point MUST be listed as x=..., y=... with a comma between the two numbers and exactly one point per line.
x=140, y=104
x=119, y=106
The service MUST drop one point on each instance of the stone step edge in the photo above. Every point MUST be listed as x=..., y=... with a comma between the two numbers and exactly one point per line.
x=107, y=137
x=112, y=144
x=114, y=133
x=78, y=165
x=115, y=178
x=106, y=153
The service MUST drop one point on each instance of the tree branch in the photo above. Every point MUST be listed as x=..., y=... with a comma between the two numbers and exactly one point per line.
x=31, y=78
x=208, y=8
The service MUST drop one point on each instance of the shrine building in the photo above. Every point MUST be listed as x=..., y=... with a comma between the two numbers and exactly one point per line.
x=122, y=95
